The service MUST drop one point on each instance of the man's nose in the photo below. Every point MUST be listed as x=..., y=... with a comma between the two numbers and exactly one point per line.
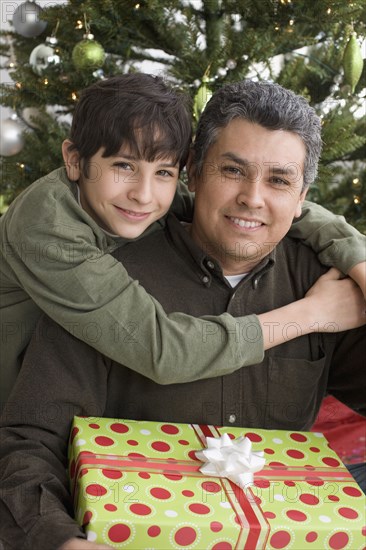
x=251, y=194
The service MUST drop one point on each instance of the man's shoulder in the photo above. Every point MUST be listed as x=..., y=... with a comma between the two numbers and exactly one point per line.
x=295, y=256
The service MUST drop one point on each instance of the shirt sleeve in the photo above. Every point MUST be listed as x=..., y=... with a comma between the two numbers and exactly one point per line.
x=61, y=265
x=336, y=242
x=53, y=385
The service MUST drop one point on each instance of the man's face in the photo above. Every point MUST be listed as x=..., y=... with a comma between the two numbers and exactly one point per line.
x=248, y=193
x=124, y=194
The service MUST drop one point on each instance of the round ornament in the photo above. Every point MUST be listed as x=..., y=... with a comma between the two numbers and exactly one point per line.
x=202, y=96
x=44, y=55
x=11, y=137
x=88, y=54
x=30, y=116
x=26, y=20
x=352, y=62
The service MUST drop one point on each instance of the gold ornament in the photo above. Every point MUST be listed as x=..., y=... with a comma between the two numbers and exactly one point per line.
x=352, y=62
x=202, y=96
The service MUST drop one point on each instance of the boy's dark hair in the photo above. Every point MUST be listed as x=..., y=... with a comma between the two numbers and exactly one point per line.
x=136, y=109
x=264, y=103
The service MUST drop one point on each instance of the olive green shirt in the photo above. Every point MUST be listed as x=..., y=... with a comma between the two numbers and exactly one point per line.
x=56, y=259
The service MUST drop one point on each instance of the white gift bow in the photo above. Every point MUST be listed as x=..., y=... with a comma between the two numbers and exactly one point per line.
x=233, y=459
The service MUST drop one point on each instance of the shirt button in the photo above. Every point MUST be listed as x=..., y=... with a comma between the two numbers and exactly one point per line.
x=232, y=418
x=210, y=264
x=205, y=279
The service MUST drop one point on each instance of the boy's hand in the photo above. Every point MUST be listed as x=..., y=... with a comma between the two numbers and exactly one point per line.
x=82, y=544
x=337, y=303
x=358, y=274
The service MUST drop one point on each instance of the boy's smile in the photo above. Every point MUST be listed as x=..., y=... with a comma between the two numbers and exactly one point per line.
x=125, y=194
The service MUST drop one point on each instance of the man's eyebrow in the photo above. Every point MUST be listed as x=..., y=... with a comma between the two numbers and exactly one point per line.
x=290, y=169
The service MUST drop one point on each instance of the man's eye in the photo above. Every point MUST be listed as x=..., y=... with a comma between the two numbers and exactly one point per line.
x=279, y=181
x=232, y=170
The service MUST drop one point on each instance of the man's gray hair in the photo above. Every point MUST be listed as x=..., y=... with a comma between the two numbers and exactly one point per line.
x=264, y=103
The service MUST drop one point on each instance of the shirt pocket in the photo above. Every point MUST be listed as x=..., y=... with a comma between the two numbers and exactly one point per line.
x=295, y=391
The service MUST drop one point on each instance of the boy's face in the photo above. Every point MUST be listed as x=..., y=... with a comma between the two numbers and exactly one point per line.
x=248, y=193
x=122, y=193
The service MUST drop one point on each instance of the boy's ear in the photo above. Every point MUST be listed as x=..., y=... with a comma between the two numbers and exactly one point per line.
x=190, y=167
x=71, y=160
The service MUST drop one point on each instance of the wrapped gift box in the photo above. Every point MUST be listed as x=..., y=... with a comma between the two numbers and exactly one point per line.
x=137, y=485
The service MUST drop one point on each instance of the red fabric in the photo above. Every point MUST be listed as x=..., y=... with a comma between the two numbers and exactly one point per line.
x=344, y=429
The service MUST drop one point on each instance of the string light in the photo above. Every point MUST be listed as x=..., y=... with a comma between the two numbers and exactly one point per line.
x=137, y=6
x=329, y=11
x=45, y=81
x=355, y=181
x=356, y=200
x=18, y=85
x=79, y=24
x=74, y=96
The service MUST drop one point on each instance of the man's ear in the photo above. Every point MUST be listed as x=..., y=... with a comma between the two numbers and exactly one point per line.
x=190, y=167
x=72, y=160
x=301, y=202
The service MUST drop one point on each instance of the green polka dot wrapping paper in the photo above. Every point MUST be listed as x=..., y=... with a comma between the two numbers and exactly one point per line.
x=137, y=485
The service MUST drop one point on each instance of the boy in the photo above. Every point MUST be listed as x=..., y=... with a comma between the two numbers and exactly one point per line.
x=129, y=139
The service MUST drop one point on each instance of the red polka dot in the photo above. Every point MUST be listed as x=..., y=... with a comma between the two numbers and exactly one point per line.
x=161, y=446
x=154, y=531
x=73, y=433
x=262, y=483
x=211, y=486
x=83, y=472
x=144, y=475
x=298, y=437
x=119, y=532
x=333, y=498
x=187, y=493
x=110, y=507
x=72, y=468
x=352, y=491
x=96, y=490
x=315, y=449
x=363, y=531
x=119, y=428
x=280, y=539
x=136, y=455
x=269, y=451
x=199, y=508
x=338, y=540
x=269, y=515
x=94, y=426
x=307, y=498
x=222, y=546
x=293, y=453
x=140, y=509
x=311, y=537
x=296, y=515
x=183, y=442
x=87, y=517
x=255, y=438
x=348, y=513
x=185, y=536
x=173, y=477
x=104, y=441
x=216, y=526
x=132, y=442
x=315, y=482
x=112, y=474
x=170, y=429
x=159, y=492
x=289, y=483
x=331, y=462
x=192, y=455
x=280, y=464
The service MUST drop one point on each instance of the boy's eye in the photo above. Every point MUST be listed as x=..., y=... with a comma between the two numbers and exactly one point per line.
x=123, y=165
x=165, y=173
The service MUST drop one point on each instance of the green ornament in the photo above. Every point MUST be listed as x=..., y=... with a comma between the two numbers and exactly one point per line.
x=352, y=62
x=202, y=96
x=88, y=54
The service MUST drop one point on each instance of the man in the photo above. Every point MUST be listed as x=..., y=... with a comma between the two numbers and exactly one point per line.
x=260, y=146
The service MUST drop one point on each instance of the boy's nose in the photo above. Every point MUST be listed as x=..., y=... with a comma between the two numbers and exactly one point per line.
x=141, y=190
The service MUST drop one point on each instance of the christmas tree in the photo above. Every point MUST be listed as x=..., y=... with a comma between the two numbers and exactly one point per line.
x=313, y=48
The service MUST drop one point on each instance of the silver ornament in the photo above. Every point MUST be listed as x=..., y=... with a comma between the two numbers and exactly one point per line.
x=44, y=55
x=30, y=116
x=26, y=20
x=11, y=137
